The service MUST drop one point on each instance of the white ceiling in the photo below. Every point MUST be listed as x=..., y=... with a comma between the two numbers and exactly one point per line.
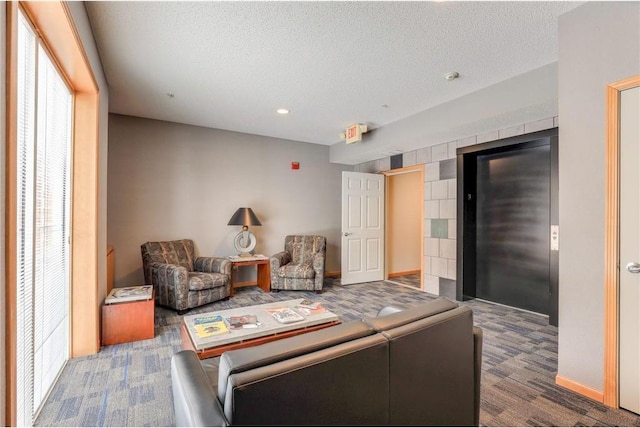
x=230, y=65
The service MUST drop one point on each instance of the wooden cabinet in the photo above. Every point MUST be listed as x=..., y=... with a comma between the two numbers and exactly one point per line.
x=128, y=321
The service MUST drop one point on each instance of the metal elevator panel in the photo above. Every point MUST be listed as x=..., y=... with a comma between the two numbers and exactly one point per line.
x=513, y=223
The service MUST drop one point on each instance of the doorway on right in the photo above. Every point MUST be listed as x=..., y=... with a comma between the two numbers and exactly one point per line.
x=507, y=222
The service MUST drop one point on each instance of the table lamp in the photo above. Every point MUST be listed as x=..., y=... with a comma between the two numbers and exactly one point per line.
x=244, y=241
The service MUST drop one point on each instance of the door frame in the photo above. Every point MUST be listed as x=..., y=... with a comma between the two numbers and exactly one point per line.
x=387, y=174
x=466, y=221
x=612, y=238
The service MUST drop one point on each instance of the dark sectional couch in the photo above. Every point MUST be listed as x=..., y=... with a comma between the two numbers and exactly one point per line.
x=418, y=366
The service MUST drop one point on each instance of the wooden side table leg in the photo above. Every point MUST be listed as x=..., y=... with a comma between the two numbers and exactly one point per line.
x=233, y=270
x=264, y=277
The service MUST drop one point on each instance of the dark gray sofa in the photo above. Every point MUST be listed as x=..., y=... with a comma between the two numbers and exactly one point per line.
x=417, y=366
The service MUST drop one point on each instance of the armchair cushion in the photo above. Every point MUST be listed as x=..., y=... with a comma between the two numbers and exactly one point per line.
x=203, y=280
x=303, y=270
x=212, y=265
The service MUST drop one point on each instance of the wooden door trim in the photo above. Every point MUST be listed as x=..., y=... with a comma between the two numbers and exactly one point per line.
x=612, y=238
x=406, y=170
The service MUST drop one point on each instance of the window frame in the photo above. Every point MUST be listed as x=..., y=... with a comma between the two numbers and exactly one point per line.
x=55, y=26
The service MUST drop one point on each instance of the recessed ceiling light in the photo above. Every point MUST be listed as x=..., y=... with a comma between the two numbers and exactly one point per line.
x=282, y=111
x=451, y=75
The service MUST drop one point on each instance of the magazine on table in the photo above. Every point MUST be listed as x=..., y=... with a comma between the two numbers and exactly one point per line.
x=307, y=307
x=129, y=294
x=243, y=321
x=285, y=315
x=209, y=325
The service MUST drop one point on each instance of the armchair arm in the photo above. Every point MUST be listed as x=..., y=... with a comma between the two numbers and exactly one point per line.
x=275, y=262
x=279, y=259
x=318, y=267
x=212, y=265
x=171, y=284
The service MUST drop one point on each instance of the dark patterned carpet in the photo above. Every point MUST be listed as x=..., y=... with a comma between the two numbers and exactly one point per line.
x=130, y=384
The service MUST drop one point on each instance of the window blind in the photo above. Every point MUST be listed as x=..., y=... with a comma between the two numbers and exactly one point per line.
x=44, y=142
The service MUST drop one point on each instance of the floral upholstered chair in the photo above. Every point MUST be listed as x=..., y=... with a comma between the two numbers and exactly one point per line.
x=301, y=265
x=180, y=279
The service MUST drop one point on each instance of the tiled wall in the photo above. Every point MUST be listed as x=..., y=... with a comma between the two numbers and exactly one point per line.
x=440, y=200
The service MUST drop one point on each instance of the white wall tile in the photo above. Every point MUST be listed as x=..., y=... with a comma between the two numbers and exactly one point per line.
x=465, y=142
x=511, y=131
x=427, y=228
x=452, y=188
x=538, y=125
x=384, y=164
x=439, y=267
x=448, y=208
x=447, y=249
x=409, y=158
x=451, y=226
x=427, y=265
x=451, y=147
x=439, y=152
x=432, y=247
x=432, y=284
x=439, y=189
x=489, y=136
x=427, y=191
x=423, y=155
x=451, y=269
x=432, y=171
x=432, y=209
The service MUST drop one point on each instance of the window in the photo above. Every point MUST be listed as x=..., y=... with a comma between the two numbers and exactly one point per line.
x=44, y=124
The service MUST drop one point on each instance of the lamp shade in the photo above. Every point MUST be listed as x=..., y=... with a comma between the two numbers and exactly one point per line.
x=244, y=217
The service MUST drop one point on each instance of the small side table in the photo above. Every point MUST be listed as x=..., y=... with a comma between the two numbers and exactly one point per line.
x=264, y=274
x=128, y=321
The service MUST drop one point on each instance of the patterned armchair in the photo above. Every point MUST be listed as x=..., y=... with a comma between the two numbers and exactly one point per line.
x=301, y=265
x=181, y=280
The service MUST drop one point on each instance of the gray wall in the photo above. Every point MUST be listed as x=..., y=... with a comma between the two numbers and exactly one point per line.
x=171, y=181
x=599, y=44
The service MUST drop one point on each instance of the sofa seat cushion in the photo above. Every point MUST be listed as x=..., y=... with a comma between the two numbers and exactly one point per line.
x=301, y=271
x=204, y=281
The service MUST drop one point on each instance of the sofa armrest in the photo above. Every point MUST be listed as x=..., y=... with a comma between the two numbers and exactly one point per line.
x=477, y=372
x=194, y=401
x=212, y=265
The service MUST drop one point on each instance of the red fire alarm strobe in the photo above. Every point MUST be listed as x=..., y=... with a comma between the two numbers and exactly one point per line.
x=295, y=165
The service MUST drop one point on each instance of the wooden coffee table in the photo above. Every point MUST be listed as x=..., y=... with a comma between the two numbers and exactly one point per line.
x=268, y=331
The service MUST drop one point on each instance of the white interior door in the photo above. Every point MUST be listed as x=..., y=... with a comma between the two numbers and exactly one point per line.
x=362, y=227
x=629, y=382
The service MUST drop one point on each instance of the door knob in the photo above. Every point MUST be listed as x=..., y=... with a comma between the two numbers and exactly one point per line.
x=347, y=234
x=633, y=267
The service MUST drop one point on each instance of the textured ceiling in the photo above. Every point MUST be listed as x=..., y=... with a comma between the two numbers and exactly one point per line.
x=230, y=65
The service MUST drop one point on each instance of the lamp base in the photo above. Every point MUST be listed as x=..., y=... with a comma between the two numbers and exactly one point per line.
x=245, y=255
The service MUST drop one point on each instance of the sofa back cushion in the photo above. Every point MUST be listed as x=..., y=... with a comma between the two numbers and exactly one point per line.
x=412, y=314
x=180, y=253
x=303, y=247
x=435, y=357
x=343, y=385
x=269, y=353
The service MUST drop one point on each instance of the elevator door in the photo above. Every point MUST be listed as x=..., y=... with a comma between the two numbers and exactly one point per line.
x=512, y=235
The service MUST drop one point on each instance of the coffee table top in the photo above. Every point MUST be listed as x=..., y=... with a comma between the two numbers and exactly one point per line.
x=268, y=326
